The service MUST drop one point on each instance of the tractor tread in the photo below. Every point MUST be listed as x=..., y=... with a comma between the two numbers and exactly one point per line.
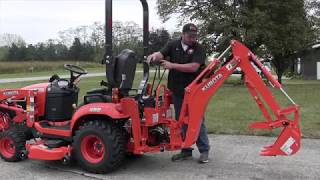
x=19, y=139
x=115, y=138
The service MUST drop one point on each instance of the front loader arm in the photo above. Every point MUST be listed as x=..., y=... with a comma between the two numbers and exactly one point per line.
x=199, y=92
x=8, y=98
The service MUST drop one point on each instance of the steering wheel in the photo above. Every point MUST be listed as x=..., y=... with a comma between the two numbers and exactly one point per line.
x=75, y=69
x=74, y=79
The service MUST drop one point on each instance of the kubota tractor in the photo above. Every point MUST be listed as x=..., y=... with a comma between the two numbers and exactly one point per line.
x=43, y=121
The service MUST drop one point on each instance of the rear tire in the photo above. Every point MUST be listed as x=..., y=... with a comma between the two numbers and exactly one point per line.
x=99, y=147
x=12, y=145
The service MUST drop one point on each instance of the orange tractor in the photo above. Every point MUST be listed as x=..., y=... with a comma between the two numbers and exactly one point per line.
x=43, y=121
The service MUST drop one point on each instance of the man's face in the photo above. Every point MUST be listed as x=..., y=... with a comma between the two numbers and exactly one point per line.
x=189, y=39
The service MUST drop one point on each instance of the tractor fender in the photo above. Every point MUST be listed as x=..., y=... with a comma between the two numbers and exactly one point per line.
x=104, y=109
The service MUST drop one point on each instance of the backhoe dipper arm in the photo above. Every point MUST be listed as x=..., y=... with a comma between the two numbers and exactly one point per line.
x=199, y=92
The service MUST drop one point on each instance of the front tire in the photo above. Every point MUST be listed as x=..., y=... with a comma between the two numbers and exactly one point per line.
x=99, y=147
x=12, y=145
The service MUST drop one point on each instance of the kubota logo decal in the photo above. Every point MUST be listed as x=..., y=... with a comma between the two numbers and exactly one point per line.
x=212, y=82
x=10, y=93
x=95, y=109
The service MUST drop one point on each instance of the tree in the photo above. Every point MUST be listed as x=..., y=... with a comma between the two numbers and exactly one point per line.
x=4, y=53
x=87, y=52
x=97, y=35
x=50, y=51
x=40, y=51
x=313, y=15
x=31, y=52
x=7, y=39
x=61, y=51
x=127, y=35
x=66, y=37
x=97, y=40
x=17, y=53
x=281, y=27
x=13, y=52
x=75, y=49
x=79, y=51
x=158, y=39
x=284, y=32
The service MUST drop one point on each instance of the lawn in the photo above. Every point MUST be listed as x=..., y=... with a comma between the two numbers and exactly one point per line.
x=45, y=68
x=232, y=108
x=29, y=67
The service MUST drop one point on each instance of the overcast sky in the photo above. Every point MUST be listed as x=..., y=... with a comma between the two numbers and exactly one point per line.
x=39, y=20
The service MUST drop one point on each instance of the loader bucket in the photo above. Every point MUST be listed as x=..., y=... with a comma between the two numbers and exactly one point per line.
x=288, y=142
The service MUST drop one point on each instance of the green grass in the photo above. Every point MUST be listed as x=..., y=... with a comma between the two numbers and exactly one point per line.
x=30, y=67
x=232, y=108
x=60, y=71
x=23, y=69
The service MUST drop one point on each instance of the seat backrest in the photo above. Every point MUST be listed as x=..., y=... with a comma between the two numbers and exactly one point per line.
x=122, y=66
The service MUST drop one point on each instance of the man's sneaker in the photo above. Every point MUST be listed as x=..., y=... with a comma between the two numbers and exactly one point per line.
x=181, y=156
x=204, y=158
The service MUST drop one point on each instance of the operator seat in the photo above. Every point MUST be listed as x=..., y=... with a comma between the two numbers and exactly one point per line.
x=120, y=74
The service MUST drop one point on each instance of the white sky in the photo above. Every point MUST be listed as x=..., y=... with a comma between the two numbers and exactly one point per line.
x=39, y=20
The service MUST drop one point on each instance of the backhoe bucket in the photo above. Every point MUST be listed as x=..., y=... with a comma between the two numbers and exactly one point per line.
x=288, y=143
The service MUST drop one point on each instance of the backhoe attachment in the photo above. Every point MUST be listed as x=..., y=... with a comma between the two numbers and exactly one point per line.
x=199, y=92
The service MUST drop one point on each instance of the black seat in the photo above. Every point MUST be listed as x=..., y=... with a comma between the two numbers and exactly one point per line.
x=97, y=95
x=120, y=74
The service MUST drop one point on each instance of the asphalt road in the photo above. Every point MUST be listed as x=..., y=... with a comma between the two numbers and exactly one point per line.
x=232, y=157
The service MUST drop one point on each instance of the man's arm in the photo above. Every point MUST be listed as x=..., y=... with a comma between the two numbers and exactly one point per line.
x=189, y=67
x=164, y=52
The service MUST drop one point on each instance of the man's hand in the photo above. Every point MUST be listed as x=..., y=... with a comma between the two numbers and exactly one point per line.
x=155, y=57
x=166, y=64
x=152, y=58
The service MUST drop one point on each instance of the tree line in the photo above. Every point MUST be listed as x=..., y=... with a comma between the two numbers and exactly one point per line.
x=83, y=43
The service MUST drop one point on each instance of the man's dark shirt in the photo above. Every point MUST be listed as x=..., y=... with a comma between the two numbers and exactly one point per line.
x=178, y=80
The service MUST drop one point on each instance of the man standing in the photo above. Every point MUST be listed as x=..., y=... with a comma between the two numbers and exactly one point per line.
x=186, y=57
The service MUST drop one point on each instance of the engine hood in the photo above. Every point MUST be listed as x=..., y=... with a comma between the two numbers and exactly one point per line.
x=41, y=87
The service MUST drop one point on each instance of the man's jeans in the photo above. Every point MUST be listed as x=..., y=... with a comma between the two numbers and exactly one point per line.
x=202, y=141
